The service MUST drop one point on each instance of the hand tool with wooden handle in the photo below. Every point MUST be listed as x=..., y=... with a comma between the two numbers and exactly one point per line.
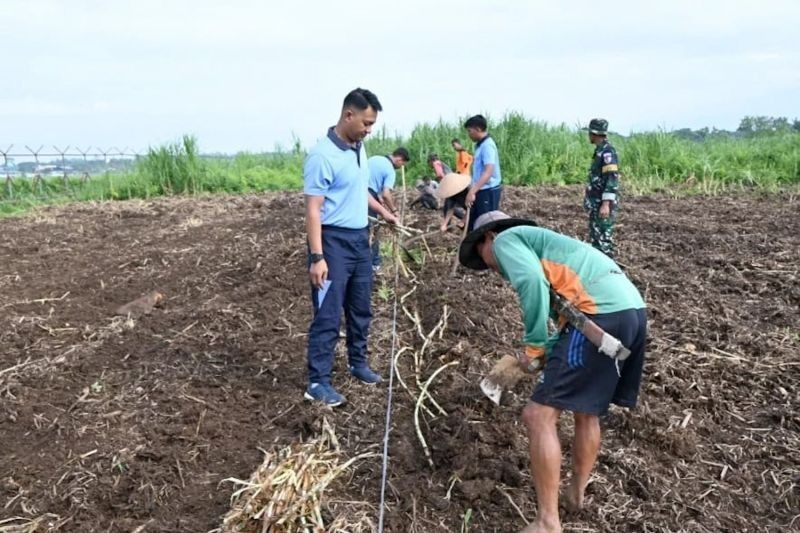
x=507, y=372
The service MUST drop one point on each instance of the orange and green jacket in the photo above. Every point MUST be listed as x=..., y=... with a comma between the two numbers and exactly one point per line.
x=463, y=162
x=535, y=259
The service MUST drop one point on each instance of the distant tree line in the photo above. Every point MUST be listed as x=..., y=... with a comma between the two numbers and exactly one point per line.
x=748, y=127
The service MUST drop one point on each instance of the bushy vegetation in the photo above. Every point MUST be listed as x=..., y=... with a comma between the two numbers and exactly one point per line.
x=176, y=168
x=763, y=153
x=533, y=152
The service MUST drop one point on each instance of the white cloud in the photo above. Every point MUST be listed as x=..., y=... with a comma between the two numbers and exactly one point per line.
x=249, y=74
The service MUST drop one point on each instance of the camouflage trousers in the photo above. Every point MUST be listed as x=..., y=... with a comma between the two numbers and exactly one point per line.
x=601, y=232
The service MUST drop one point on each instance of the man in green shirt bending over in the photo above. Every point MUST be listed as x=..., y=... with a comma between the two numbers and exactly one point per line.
x=576, y=376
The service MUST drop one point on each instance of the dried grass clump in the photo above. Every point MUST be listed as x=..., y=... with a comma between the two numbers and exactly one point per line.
x=285, y=493
x=41, y=524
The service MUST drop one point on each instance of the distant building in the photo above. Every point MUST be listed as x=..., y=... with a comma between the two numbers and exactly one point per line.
x=50, y=170
x=9, y=169
x=27, y=167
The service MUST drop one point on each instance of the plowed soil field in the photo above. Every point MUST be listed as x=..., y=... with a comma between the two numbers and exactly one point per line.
x=116, y=424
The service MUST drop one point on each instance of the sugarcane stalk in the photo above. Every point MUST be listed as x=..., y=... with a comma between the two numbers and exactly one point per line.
x=422, y=394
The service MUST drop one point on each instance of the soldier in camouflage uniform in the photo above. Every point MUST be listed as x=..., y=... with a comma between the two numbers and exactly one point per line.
x=602, y=192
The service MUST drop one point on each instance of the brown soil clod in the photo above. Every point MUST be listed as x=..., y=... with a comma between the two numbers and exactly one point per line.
x=142, y=305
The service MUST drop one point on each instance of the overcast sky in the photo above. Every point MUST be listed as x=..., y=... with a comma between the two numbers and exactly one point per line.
x=254, y=73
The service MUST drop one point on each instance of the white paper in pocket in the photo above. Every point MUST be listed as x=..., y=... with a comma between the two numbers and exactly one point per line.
x=322, y=291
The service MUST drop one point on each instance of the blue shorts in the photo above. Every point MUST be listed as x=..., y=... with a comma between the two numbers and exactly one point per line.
x=577, y=378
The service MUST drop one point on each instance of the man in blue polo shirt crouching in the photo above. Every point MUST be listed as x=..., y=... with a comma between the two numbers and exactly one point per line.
x=336, y=180
x=382, y=177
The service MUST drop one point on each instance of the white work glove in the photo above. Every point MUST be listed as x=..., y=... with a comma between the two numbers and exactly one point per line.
x=531, y=359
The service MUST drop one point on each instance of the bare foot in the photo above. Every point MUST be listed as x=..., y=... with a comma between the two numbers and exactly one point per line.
x=541, y=527
x=573, y=499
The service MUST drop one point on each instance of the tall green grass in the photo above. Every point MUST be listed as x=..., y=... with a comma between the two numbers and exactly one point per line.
x=175, y=168
x=531, y=152
x=179, y=169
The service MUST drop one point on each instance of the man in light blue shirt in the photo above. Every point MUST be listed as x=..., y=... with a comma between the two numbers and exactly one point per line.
x=336, y=180
x=382, y=177
x=486, y=190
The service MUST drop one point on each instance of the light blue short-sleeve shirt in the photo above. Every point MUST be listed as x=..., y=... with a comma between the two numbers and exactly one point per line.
x=340, y=173
x=382, y=174
x=486, y=154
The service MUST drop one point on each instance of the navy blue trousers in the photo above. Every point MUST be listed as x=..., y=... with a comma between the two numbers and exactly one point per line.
x=375, y=228
x=348, y=287
x=486, y=200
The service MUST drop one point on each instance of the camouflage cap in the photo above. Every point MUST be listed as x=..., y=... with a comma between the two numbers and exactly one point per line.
x=598, y=126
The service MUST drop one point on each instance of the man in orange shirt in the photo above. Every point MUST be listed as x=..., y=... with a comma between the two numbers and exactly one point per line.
x=463, y=158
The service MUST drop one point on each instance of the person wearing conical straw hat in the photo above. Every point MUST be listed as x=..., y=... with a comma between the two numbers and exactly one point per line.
x=577, y=376
x=453, y=191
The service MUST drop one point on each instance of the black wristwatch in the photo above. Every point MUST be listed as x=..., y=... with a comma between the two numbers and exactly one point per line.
x=316, y=258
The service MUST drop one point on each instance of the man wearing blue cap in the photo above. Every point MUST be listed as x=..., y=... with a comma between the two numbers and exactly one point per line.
x=336, y=181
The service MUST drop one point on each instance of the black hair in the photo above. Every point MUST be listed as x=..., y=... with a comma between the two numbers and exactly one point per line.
x=403, y=153
x=432, y=157
x=477, y=121
x=455, y=140
x=361, y=99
